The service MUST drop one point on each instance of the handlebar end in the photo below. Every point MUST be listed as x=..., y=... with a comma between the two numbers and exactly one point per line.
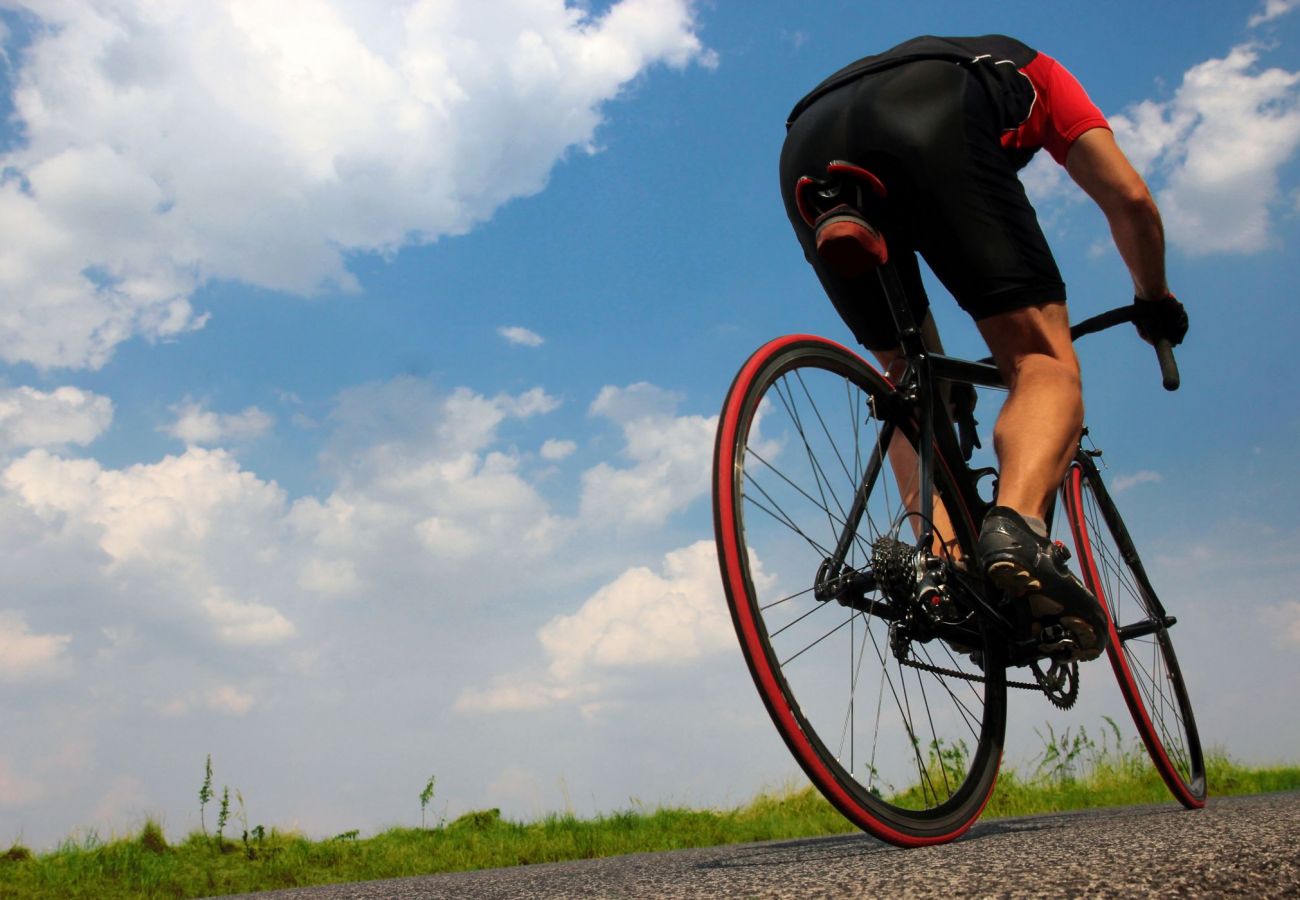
x=1168, y=365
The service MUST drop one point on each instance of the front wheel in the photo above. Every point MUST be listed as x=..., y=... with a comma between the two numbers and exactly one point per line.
x=899, y=728
x=1141, y=650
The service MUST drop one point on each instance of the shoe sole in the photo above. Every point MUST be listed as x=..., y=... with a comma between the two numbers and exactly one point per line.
x=1012, y=578
x=1016, y=581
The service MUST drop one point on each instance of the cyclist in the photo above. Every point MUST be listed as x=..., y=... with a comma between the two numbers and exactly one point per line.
x=947, y=122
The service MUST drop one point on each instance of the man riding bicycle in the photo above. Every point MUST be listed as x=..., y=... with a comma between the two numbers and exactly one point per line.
x=946, y=123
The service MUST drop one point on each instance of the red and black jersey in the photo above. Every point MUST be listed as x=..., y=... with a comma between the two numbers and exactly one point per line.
x=1038, y=102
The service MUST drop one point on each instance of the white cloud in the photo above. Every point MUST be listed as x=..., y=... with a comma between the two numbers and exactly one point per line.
x=521, y=337
x=554, y=450
x=510, y=693
x=412, y=417
x=191, y=586
x=66, y=415
x=195, y=551
x=169, y=144
x=1045, y=180
x=1217, y=147
x=202, y=427
x=246, y=623
x=641, y=618
x=1122, y=483
x=229, y=699
x=420, y=486
x=23, y=654
x=328, y=576
x=670, y=458
x=1284, y=619
x=191, y=536
x=1272, y=10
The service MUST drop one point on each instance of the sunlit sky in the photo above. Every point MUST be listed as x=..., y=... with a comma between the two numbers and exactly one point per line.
x=359, y=366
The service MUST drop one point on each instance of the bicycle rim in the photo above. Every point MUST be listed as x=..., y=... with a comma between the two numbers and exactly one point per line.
x=907, y=754
x=1144, y=663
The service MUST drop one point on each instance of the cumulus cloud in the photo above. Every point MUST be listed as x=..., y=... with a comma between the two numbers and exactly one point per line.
x=66, y=415
x=645, y=617
x=1215, y=151
x=413, y=418
x=24, y=654
x=669, y=458
x=421, y=487
x=521, y=337
x=192, y=561
x=1272, y=10
x=246, y=623
x=230, y=700
x=196, y=425
x=191, y=535
x=169, y=144
x=144, y=511
x=554, y=450
x=1284, y=619
x=1122, y=483
x=641, y=618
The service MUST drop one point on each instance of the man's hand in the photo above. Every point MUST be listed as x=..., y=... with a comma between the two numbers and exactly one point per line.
x=1163, y=318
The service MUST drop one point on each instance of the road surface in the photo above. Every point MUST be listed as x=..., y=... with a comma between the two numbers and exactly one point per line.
x=1236, y=846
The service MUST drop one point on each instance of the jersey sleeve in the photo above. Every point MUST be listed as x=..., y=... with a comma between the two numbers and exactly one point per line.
x=1063, y=108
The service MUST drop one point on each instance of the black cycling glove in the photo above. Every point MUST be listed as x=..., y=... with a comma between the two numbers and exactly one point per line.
x=1165, y=318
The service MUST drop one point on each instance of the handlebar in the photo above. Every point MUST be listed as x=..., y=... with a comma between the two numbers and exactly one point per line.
x=1168, y=365
x=1164, y=350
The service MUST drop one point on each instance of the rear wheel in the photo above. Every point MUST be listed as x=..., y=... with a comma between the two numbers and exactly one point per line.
x=900, y=729
x=1141, y=650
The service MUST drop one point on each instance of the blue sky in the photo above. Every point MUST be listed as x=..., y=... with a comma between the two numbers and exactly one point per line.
x=359, y=367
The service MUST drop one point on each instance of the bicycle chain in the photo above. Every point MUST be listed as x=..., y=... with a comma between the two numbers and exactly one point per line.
x=966, y=676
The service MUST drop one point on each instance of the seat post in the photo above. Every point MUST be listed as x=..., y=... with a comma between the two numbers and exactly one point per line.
x=918, y=380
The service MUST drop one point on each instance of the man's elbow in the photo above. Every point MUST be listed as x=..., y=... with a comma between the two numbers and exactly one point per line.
x=1133, y=201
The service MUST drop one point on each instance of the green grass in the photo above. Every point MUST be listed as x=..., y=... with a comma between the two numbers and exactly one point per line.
x=1073, y=773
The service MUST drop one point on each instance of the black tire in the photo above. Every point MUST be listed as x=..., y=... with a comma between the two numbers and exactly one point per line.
x=908, y=754
x=1141, y=650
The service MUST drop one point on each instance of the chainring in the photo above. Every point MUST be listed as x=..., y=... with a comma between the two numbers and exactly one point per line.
x=1060, y=683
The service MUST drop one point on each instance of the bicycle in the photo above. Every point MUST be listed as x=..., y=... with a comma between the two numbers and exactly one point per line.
x=882, y=660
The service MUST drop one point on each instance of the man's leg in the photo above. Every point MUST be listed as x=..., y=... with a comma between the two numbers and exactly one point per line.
x=1035, y=435
x=1034, y=438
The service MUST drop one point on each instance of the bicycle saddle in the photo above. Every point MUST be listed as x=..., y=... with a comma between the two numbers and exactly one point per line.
x=834, y=207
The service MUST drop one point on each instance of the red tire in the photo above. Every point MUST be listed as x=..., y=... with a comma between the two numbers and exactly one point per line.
x=904, y=752
x=1141, y=651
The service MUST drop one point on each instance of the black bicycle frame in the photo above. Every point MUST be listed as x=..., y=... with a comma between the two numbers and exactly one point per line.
x=917, y=389
x=917, y=397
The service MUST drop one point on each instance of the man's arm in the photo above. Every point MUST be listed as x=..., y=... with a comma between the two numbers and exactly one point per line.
x=1097, y=165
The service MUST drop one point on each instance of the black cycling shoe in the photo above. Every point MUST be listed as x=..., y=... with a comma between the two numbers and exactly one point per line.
x=1023, y=564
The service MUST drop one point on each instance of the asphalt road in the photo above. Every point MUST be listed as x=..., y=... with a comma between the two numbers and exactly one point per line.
x=1237, y=846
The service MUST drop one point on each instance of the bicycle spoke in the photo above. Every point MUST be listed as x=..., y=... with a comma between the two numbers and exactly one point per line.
x=791, y=659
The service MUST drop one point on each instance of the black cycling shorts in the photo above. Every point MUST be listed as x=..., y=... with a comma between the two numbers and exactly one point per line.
x=928, y=130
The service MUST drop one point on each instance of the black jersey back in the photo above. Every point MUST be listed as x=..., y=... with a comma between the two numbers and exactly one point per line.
x=994, y=59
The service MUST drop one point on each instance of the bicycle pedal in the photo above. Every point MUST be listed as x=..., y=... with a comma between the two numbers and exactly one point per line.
x=1056, y=641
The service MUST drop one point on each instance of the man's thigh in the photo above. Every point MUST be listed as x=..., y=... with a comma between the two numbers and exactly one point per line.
x=1043, y=329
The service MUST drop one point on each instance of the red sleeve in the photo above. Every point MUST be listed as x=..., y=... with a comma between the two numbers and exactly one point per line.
x=1062, y=110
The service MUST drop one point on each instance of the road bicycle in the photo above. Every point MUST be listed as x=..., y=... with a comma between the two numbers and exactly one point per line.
x=883, y=659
